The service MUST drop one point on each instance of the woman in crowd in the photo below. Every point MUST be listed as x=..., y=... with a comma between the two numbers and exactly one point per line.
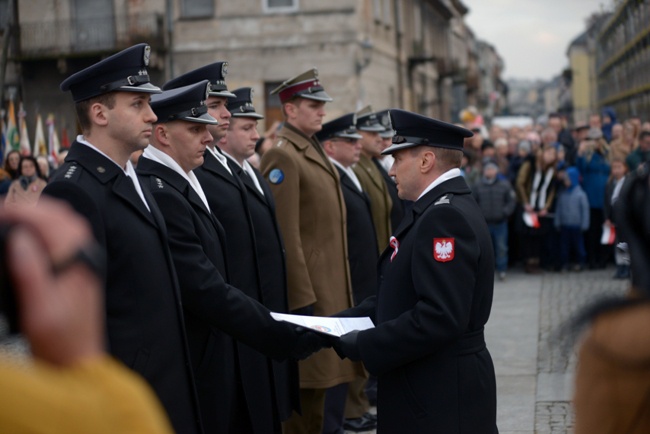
x=621, y=147
x=27, y=188
x=535, y=188
x=9, y=172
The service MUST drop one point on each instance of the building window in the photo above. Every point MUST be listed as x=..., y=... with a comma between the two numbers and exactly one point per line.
x=197, y=8
x=4, y=17
x=388, y=13
x=376, y=10
x=280, y=5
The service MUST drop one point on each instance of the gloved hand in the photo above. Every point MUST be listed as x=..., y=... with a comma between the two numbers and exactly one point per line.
x=346, y=346
x=308, y=342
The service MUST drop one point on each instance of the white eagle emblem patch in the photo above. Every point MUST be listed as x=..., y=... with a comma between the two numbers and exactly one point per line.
x=443, y=249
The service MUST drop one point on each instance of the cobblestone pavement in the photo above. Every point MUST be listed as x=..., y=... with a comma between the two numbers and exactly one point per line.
x=562, y=296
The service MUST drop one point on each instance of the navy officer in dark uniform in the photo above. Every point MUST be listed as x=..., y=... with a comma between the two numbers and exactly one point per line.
x=270, y=260
x=428, y=351
x=216, y=313
x=144, y=319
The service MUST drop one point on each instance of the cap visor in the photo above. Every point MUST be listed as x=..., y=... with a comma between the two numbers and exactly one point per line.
x=247, y=115
x=223, y=94
x=350, y=136
x=396, y=147
x=387, y=134
x=203, y=119
x=372, y=128
x=146, y=88
x=318, y=96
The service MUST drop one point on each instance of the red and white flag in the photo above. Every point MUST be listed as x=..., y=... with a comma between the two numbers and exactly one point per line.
x=609, y=235
x=531, y=220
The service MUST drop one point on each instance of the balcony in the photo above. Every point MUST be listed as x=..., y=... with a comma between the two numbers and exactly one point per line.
x=81, y=37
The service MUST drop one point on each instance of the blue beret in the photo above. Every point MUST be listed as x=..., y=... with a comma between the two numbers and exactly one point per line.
x=214, y=72
x=185, y=103
x=125, y=71
x=412, y=129
x=242, y=105
x=343, y=126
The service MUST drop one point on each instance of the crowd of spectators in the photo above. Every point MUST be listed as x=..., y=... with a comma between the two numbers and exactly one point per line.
x=550, y=169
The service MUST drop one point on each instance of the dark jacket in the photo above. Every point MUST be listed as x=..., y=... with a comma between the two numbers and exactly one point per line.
x=215, y=311
x=144, y=320
x=362, y=241
x=273, y=280
x=434, y=371
x=595, y=173
x=496, y=198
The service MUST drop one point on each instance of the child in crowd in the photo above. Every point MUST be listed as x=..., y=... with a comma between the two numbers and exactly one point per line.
x=572, y=219
x=496, y=198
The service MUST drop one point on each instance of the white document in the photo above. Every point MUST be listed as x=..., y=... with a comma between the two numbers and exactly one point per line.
x=323, y=324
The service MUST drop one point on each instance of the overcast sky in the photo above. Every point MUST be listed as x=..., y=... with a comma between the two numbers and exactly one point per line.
x=532, y=36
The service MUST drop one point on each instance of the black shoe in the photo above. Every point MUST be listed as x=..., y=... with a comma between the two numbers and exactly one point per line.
x=360, y=424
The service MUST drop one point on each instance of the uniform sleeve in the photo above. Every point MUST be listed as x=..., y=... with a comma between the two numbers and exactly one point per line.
x=286, y=194
x=204, y=291
x=445, y=291
x=99, y=396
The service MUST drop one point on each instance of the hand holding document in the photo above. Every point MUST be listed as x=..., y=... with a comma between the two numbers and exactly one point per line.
x=327, y=325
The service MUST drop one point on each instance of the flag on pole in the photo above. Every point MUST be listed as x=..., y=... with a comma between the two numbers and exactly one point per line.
x=65, y=141
x=3, y=140
x=53, y=144
x=25, y=146
x=13, y=137
x=40, y=147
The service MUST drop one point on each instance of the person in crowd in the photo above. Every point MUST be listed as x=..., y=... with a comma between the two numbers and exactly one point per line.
x=71, y=385
x=617, y=131
x=144, y=320
x=641, y=155
x=215, y=312
x=608, y=120
x=535, y=187
x=370, y=176
x=558, y=124
x=311, y=214
x=28, y=186
x=592, y=162
x=228, y=202
x=12, y=158
x=501, y=157
x=572, y=220
x=238, y=147
x=612, y=382
x=612, y=194
x=496, y=199
x=435, y=373
x=596, y=122
x=621, y=147
x=341, y=144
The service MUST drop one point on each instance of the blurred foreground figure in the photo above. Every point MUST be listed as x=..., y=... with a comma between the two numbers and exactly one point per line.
x=613, y=376
x=71, y=386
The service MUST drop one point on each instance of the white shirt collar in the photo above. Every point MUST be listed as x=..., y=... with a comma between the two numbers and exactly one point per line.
x=159, y=156
x=220, y=158
x=442, y=178
x=348, y=171
x=246, y=167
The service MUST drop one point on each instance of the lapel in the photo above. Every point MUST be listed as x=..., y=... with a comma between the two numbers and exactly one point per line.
x=106, y=171
x=349, y=184
x=375, y=176
x=456, y=185
x=308, y=146
x=211, y=164
x=248, y=182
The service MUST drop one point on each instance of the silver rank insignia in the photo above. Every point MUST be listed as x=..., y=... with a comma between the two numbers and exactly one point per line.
x=443, y=200
x=147, y=54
